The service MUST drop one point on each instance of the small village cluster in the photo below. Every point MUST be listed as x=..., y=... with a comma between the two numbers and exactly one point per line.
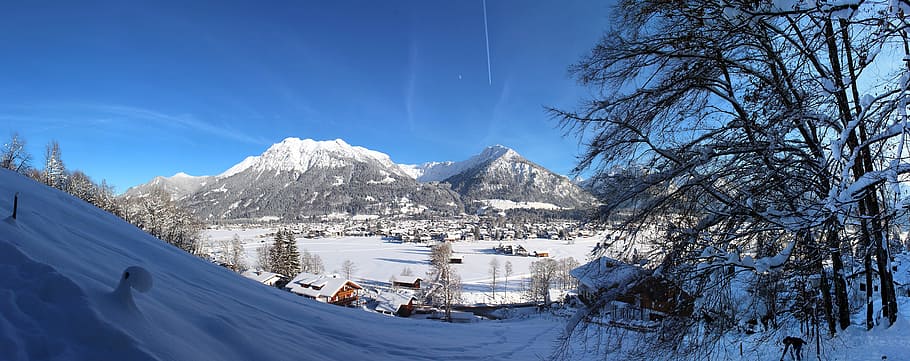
x=464, y=228
x=399, y=300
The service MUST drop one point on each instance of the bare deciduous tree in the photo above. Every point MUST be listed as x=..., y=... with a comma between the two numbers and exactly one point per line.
x=348, y=267
x=444, y=288
x=494, y=272
x=764, y=133
x=14, y=156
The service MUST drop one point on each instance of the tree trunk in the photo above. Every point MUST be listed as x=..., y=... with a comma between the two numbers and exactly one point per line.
x=840, y=282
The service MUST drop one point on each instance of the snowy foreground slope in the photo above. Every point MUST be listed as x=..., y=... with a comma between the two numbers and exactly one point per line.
x=62, y=258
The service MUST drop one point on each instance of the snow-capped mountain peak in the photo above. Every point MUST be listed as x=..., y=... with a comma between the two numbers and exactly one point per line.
x=440, y=171
x=182, y=175
x=497, y=152
x=299, y=155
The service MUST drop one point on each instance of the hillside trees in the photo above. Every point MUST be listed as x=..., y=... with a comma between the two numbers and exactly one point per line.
x=155, y=213
x=158, y=215
x=772, y=144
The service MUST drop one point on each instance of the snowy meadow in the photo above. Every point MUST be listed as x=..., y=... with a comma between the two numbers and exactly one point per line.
x=378, y=260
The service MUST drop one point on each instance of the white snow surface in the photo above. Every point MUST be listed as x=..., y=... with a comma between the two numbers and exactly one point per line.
x=377, y=260
x=62, y=259
x=505, y=204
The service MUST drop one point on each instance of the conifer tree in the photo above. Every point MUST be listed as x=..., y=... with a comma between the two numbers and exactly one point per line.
x=276, y=254
x=292, y=256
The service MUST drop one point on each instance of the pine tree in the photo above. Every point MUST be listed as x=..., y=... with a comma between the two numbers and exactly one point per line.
x=291, y=256
x=276, y=255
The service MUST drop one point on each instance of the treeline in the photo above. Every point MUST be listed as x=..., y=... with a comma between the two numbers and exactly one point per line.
x=154, y=213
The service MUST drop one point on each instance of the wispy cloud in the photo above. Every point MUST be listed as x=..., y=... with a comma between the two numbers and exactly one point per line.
x=74, y=114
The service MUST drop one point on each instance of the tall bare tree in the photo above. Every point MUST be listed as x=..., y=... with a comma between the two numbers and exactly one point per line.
x=444, y=288
x=348, y=267
x=494, y=272
x=765, y=133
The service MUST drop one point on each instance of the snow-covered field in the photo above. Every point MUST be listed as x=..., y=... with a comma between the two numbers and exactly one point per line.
x=379, y=260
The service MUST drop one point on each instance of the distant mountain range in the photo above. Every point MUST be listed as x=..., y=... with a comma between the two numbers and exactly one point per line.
x=296, y=179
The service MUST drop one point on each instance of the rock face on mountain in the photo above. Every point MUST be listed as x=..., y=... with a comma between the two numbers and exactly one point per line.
x=179, y=185
x=499, y=173
x=296, y=179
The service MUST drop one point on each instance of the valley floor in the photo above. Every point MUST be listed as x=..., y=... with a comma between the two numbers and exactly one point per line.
x=378, y=260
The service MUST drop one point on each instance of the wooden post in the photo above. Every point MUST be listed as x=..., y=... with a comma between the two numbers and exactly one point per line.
x=15, y=204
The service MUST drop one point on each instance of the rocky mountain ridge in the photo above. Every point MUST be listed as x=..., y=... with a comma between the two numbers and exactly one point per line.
x=295, y=179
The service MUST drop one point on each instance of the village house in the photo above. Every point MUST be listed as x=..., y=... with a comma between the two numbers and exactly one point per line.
x=900, y=270
x=411, y=282
x=632, y=292
x=399, y=304
x=329, y=289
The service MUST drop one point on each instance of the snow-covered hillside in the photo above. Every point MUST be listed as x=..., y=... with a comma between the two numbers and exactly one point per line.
x=62, y=258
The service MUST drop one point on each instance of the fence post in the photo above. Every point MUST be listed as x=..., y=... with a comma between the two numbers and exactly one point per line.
x=15, y=204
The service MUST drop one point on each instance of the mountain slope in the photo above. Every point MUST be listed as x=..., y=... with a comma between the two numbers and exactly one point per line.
x=297, y=178
x=62, y=258
x=179, y=185
x=500, y=173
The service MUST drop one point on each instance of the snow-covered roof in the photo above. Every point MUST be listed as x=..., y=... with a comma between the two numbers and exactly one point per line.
x=260, y=276
x=391, y=301
x=315, y=286
x=606, y=273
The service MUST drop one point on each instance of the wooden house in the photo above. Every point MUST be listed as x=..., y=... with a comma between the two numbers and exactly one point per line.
x=328, y=289
x=634, y=293
x=412, y=282
x=399, y=304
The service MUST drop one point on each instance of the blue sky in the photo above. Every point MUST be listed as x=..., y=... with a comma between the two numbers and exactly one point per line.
x=132, y=90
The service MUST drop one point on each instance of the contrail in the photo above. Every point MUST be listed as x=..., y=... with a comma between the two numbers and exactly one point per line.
x=486, y=33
